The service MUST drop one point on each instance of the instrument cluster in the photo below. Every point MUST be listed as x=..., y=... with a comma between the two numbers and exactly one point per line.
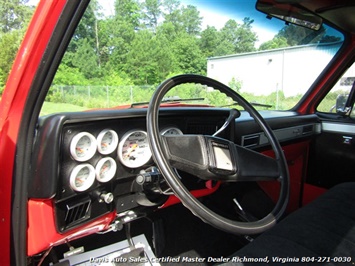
x=131, y=150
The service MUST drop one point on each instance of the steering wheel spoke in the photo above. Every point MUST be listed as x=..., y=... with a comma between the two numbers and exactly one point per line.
x=212, y=158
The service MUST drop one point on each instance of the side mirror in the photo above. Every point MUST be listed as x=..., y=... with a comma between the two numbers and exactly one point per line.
x=340, y=102
x=340, y=105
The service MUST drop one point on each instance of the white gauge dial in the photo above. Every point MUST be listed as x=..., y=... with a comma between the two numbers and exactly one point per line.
x=105, y=169
x=82, y=177
x=83, y=146
x=171, y=131
x=134, y=150
x=107, y=141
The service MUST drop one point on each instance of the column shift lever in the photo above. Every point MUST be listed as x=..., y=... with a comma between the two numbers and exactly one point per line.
x=233, y=114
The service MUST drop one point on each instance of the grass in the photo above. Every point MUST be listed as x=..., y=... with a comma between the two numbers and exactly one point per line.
x=51, y=108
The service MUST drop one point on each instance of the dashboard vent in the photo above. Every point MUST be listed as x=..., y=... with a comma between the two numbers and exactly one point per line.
x=77, y=212
x=250, y=140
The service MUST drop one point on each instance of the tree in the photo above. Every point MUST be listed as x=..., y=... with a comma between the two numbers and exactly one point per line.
x=9, y=44
x=210, y=38
x=239, y=36
x=151, y=13
x=85, y=59
x=140, y=66
x=129, y=11
x=191, y=20
x=276, y=42
x=188, y=56
x=14, y=15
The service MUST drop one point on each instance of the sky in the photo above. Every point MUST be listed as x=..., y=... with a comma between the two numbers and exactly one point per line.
x=217, y=13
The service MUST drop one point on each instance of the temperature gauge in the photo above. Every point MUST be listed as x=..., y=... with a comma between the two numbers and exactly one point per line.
x=82, y=177
x=105, y=169
x=107, y=141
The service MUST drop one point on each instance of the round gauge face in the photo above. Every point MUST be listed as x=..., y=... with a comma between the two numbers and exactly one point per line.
x=105, y=169
x=107, y=141
x=83, y=146
x=171, y=131
x=82, y=177
x=134, y=150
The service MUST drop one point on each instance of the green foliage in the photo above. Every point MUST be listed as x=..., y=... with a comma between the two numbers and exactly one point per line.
x=120, y=59
x=69, y=76
x=14, y=15
x=277, y=42
x=235, y=84
x=9, y=44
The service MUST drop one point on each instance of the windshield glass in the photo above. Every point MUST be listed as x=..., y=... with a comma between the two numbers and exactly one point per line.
x=122, y=50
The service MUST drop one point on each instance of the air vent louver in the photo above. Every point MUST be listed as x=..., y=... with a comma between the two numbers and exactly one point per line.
x=77, y=212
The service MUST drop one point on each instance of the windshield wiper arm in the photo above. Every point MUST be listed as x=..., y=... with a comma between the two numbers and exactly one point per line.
x=252, y=103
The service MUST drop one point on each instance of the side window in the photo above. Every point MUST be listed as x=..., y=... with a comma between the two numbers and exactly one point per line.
x=15, y=16
x=336, y=99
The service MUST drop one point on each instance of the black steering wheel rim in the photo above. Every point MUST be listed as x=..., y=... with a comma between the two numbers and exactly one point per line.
x=187, y=199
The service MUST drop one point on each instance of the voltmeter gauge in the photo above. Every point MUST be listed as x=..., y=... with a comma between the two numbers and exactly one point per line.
x=82, y=177
x=83, y=146
x=105, y=169
x=133, y=149
x=171, y=131
x=107, y=141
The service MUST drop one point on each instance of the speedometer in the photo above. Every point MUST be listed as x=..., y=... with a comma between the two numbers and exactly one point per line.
x=133, y=149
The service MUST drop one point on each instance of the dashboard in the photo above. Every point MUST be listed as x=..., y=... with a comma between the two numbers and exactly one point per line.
x=89, y=164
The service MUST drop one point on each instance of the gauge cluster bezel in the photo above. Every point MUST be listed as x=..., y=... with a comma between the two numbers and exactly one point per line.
x=120, y=132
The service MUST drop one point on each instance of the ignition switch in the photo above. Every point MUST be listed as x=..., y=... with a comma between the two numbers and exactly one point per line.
x=152, y=181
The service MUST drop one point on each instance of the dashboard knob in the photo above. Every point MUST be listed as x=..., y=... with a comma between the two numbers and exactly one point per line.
x=107, y=197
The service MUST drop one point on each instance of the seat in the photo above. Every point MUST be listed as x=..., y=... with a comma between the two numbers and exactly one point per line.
x=322, y=231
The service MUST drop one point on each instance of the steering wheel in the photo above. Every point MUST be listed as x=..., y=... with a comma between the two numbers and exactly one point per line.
x=213, y=158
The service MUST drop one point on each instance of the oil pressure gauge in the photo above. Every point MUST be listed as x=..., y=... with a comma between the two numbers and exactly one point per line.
x=107, y=141
x=82, y=177
x=83, y=146
x=105, y=169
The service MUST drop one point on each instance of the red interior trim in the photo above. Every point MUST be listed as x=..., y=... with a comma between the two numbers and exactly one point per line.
x=196, y=193
x=296, y=156
x=42, y=232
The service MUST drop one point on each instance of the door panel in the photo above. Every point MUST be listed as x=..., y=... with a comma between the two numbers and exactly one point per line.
x=332, y=154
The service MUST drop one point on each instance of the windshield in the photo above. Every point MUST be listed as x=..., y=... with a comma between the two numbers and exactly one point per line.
x=122, y=50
